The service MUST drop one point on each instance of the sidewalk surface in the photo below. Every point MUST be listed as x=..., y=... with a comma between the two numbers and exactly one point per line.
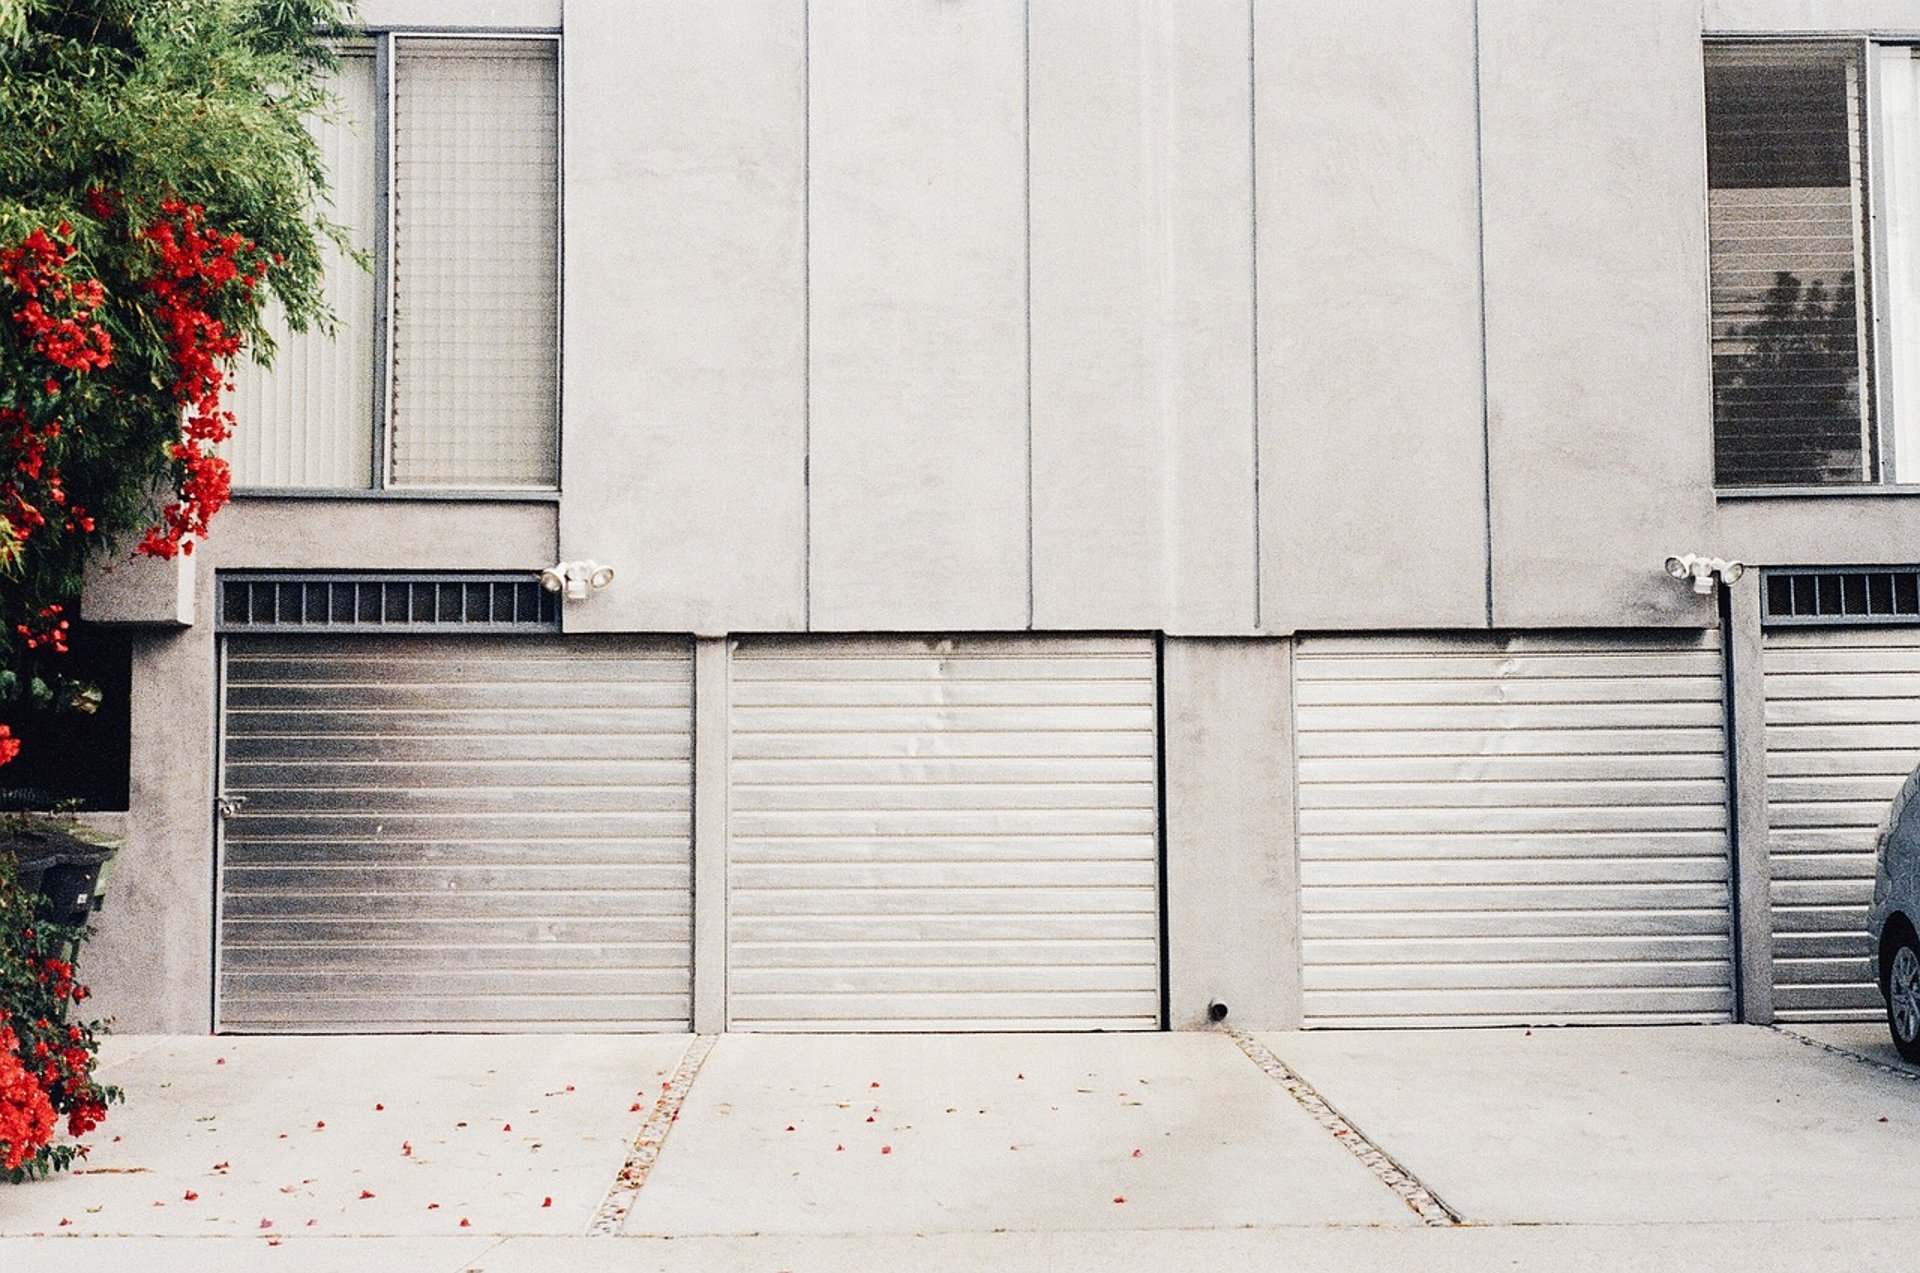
x=1659, y=1148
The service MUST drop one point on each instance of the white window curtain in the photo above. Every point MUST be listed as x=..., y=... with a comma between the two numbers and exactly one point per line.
x=309, y=421
x=1899, y=178
x=476, y=288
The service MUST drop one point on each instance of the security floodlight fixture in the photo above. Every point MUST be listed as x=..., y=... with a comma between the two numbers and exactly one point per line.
x=1705, y=572
x=576, y=579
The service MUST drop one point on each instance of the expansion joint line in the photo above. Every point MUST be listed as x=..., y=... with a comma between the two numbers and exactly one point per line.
x=1897, y=1071
x=647, y=1142
x=1425, y=1203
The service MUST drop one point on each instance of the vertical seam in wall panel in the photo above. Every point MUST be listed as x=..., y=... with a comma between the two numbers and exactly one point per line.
x=1480, y=235
x=1729, y=733
x=1026, y=178
x=806, y=314
x=1291, y=654
x=1253, y=246
x=1160, y=823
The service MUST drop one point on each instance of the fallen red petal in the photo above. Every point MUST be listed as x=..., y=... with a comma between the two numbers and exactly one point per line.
x=1119, y=1199
x=1138, y=1154
x=433, y=1206
x=634, y=1108
x=220, y=1060
x=546, y=1202
x=64, y=1222
x=465, y=1223
x=366, y=1193
x=378, y=1106
x=406, y=1149
x=886, y=1149
x=189, y=1196
x=266, y=1224
x=789, y=1126
x=506, y=1127
x=321, y=1125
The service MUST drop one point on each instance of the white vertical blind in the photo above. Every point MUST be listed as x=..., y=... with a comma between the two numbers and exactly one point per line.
x=476, y=150
x=309, y=421
x=1899, y=177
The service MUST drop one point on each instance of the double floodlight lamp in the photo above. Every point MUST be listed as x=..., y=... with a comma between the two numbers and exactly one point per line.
x=1705, y=571
x=575, y=579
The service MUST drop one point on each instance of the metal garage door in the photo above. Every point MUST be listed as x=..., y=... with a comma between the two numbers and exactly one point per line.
x=944, y=835
x=1843, y=732
x=1519, y=829
x=456, y=834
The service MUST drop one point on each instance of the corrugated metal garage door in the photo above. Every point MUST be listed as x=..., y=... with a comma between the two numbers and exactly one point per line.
x=1520, y=829
x=1843, y=732
x=944, y=835
x=456, y=834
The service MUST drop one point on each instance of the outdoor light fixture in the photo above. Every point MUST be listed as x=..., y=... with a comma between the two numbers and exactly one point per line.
x=1704, y=571
x=576, y=579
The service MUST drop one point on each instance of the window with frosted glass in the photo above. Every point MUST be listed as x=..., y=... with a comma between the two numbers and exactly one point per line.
x=443, y=370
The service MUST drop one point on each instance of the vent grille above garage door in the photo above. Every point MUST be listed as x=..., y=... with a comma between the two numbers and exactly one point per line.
x=475, y=603
x=1807, y=596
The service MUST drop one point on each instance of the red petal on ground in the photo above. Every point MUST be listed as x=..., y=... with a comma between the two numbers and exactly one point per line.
x=266, y=1224
x=406, y=1149
x=378, y=1106
x=433, y=1206
x=1117, y=1198
x=886, y=1149
x=789, y=1126
x=1138, y=1154
x=869, y=1118
x=189, y=1196
x=506, y=1127
x=873, y=1085
x=320, y=1126
x=220, y=1060
x=465, y=1223
x=366, y=1193
x=546, y=1202
x=839, y=1149
x=64, y=1222
x=634, y=1108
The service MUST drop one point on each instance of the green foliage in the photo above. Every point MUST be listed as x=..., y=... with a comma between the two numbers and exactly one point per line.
x=151, y=103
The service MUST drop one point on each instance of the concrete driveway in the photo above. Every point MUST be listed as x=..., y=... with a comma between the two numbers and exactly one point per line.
x=1716, y=1147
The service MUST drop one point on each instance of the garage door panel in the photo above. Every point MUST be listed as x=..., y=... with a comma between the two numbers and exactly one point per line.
x=349, y=854
x=1506, y=976
x=490, y=773
x=458, y=827
x=1843, y=732
x=1508, y=742
x=461, y=696
x=1631, y=767
x=1513, y=949
x=1126, y=744
x=1527, y=829
x=1470, y=820
x=269, y=750
x=456, y=833
x=944, y=834
x=367, y=724
x=860, y=1009
x=1524, y=1006
x=343, y=955
x=262, y=937
x=1495, y=690
x=431, y=878
x=1539, y=922
x=924, y=952
x=1481, y=793
x=1527, y=872
x=1431, y=846
x=799, y=800
x=488, y=1014
x=961, y=824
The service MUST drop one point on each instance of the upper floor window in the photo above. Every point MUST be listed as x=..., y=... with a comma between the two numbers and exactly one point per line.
x=443, y=369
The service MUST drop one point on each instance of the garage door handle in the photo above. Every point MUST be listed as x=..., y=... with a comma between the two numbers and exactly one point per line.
x=228, y=806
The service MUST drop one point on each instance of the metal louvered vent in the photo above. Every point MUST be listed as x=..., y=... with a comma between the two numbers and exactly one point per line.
x=387, y=603
x=1881, y=594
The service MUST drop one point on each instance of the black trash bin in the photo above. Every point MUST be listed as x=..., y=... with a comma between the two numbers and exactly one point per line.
x=58, y=866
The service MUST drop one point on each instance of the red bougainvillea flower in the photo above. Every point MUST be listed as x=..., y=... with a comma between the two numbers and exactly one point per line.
x=27, y=1118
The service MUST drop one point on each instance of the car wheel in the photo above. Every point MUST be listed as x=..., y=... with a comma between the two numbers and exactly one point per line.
x=1903, y=999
